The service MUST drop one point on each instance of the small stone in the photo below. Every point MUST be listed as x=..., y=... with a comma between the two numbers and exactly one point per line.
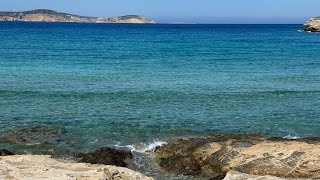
x=110, y=173
x=4, y=152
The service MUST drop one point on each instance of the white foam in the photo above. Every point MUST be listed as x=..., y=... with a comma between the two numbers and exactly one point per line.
x=152, y=146
x=144, y=148
x=131, y=147
x=291, y=137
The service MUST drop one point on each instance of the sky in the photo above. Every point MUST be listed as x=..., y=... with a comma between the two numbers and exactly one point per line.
x=184, y=11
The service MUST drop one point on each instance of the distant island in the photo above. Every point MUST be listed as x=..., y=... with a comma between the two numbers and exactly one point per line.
x=45, y=15
x=313, y=25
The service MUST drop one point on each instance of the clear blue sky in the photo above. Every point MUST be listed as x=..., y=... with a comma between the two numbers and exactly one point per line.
x=191, y=11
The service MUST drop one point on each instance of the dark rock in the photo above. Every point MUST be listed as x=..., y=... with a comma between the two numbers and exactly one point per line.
x=219, y=177
x=312, y=29
x=180, y=164
x=4, y=152
x=221, y=158
x=106, y=156
x=181, y=147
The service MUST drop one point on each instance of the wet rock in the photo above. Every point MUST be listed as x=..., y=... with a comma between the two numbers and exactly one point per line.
x=4, y=152
x=215, y=156
x=181, y=164
x=106, y=156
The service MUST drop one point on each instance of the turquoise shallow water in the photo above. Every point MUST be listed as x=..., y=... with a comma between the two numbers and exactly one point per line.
x=109, y=84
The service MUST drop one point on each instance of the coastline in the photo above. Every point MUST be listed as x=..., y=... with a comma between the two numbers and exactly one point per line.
x=217, y=157
x=46, y=15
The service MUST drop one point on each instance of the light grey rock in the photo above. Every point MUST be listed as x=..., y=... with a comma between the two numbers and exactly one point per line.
x=37, y=167
x=234, y=175
x=313, y=25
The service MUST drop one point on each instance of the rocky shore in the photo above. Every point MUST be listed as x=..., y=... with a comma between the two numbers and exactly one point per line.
x=44, y=15
x=214, y=157
x=313, y=25
x=217, y=157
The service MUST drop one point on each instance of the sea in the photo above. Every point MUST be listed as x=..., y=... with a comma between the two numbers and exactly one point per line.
x=139, y=86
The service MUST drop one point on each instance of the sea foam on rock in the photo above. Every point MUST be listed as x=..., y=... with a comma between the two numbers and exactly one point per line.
x=215, y=156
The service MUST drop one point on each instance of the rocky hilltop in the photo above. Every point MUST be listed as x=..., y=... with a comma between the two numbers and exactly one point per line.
x=313, y=25
x=44, y=15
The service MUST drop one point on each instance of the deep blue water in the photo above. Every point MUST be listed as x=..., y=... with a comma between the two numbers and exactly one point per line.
x=108, y=84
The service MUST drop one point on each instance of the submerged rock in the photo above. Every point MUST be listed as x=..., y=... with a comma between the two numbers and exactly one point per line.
x=36, y=138
x=107, y=156
x=37, y=133
x=4, y=152
x=33, y=167
x=215, y=156
x=313, y=25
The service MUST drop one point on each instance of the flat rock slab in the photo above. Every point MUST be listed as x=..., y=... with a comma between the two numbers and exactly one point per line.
x=234, y=175
x=26, y=167
x=215, y=156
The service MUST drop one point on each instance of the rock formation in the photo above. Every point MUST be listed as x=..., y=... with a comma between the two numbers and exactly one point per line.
x=44, y=15
x=313, y=25
x=34, y=167
x=252, y=154
x=107, y=156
